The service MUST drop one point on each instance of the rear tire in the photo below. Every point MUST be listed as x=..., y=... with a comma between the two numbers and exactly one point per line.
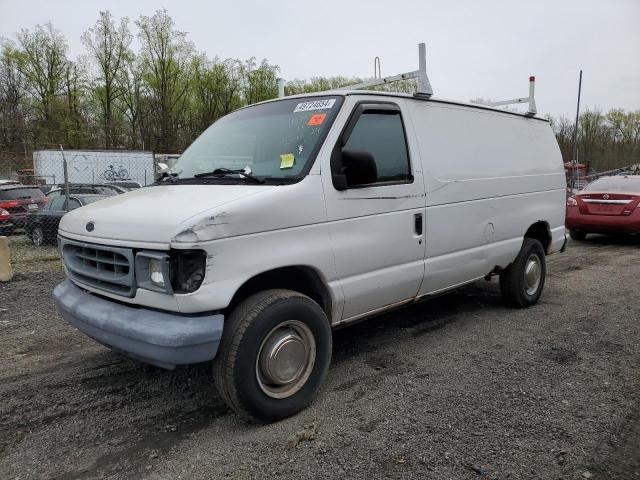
x=521, y=283
x=274, y=355
x=37, y=236
x=577, y=235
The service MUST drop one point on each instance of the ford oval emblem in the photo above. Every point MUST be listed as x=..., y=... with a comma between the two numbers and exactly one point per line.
x=90, y=226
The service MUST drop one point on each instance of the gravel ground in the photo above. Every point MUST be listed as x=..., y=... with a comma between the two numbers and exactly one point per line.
x=458, y=387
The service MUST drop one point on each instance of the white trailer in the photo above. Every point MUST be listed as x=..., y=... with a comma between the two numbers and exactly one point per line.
x=95, y=166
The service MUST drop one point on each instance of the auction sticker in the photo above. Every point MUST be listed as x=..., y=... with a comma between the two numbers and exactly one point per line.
x=316, y=119
x=315, y=105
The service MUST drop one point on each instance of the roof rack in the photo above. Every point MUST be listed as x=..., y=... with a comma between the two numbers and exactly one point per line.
x=530, y=99
x=424, y=86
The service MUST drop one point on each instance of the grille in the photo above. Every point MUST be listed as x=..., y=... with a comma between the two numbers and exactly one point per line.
x=100, y=266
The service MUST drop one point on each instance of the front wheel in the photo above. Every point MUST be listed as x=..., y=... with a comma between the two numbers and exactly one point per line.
x=274, y=355
x=521, y=283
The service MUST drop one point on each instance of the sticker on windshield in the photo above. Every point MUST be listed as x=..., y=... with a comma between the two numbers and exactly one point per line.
x=287, y=160
x=315, y=105
x=316, y=119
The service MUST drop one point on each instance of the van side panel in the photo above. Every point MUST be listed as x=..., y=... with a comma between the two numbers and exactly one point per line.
x=489, y=176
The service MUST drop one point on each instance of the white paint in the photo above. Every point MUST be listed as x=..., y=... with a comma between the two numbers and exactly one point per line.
x=481, y=179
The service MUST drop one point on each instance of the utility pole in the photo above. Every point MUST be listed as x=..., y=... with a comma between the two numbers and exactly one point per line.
x=66, y=180
x=574, y=152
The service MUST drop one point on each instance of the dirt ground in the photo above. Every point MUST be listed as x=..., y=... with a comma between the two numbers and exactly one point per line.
x=459, y=387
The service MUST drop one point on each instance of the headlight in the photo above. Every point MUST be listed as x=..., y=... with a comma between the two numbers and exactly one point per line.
x=572, y=202
x=152, y=271
x=155, y=272
x=181, y=271
x=187, y=270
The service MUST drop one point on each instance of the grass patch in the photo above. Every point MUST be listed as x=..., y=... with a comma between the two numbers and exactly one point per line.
x=26, y=257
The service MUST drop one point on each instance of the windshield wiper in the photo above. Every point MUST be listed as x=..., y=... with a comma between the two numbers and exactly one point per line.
x=228, y=171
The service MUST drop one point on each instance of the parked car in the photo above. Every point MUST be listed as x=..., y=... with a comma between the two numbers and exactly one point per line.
x=45, y=189
x=609, y=205
x=42, y=227
x=126, y=184
x=20, y=201
x=6, y=225
x=88, y=189
x=290, y=217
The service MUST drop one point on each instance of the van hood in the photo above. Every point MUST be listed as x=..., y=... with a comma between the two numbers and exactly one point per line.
x=153, y=214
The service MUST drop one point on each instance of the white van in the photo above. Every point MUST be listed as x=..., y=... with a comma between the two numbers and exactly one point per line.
x=290, y=217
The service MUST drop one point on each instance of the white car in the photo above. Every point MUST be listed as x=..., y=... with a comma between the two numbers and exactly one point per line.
x=290, y=217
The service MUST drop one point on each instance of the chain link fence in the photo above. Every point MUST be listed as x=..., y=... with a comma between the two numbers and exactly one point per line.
x=37, y=188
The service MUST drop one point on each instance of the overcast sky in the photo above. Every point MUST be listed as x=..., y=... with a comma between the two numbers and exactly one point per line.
x=475, y=48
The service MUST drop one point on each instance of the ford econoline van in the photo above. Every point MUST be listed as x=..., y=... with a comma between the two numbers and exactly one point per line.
x=291, y=217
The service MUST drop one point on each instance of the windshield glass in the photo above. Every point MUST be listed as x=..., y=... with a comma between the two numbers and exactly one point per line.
x=275, y=140
x=613, y=184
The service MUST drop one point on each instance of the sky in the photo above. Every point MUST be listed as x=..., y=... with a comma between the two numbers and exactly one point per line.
x=475, y=49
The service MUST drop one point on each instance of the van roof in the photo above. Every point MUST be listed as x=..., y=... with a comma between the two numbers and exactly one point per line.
x=346, y=92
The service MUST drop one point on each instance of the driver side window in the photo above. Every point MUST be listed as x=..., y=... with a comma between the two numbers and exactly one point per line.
x=382, y=135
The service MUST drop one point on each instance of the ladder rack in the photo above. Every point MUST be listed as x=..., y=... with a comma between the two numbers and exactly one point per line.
x=530, y=99
x=424, y=86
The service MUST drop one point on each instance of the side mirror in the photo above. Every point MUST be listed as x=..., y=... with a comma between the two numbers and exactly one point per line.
x=358, y=168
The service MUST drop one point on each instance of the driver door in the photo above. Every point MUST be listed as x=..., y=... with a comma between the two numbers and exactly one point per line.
x=377, y=229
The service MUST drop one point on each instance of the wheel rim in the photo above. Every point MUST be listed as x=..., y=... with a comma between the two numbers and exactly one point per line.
x=37, y=236
x=532, y=274
x=285, y=359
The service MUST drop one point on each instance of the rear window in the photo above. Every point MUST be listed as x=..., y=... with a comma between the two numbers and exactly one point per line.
x=614, y=185
x=18, y=193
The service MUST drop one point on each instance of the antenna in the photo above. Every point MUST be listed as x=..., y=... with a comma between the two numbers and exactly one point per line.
x=530, y=99
x=424, y=87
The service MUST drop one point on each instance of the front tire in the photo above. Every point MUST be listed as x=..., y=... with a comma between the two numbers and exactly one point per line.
x=273, y=356
x=521, y=283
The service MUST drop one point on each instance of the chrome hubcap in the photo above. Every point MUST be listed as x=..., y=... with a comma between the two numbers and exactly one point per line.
x=285, y=359
x=532, y=274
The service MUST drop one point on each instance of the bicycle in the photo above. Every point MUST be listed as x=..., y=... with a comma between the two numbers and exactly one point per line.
x=111, y=173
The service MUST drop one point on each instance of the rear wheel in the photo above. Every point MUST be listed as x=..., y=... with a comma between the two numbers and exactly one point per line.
x=273, y=356
x=577, y=234
x=37, y=236
x=522, y=282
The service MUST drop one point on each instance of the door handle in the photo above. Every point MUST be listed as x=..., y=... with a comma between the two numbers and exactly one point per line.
x=417, y=224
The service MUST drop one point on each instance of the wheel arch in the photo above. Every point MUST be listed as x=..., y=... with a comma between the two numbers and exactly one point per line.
x=541, y=232
x=300, y=278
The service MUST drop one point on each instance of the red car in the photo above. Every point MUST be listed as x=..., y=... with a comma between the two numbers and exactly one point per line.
x=610, y=205
x=20, y=201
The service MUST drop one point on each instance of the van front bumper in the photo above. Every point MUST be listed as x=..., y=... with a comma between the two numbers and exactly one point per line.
x=160, y=338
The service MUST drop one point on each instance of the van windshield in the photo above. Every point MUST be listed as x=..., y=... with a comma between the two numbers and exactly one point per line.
x=272, y=141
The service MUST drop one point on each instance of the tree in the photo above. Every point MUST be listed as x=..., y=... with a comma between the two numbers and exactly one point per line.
x=165, y=57
x=41, y=57
x=109, y=52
